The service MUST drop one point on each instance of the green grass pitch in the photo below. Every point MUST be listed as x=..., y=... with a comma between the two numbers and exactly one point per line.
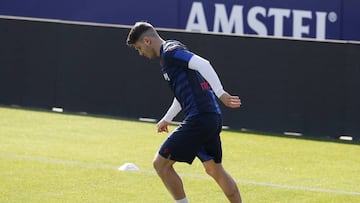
x=53, y=157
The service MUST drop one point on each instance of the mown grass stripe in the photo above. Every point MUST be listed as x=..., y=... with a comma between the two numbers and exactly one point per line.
x=105, y=166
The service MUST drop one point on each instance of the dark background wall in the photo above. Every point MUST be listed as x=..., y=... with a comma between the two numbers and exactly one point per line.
x=285, y=85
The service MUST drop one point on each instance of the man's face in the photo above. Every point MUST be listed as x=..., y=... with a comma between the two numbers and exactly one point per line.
x=145, y=49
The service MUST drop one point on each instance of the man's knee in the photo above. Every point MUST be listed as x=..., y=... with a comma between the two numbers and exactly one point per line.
x=161, y=164
x=157, y=163
x=213, y=169
x=210, y=171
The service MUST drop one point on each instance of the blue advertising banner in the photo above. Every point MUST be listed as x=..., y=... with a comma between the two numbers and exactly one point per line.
x=351, y=20
x=323, y=19
x=306, y=18
x=160, y=12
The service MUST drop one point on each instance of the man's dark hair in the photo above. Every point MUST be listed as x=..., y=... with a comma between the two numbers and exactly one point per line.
x=136, y=31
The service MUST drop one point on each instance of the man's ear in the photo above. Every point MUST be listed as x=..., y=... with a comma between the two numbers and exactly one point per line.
x=147, y=40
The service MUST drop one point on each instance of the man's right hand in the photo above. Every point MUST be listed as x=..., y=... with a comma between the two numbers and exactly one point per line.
x=230, y=101
x=162, y=126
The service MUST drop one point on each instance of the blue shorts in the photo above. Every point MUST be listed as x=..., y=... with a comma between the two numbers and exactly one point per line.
x=198, y=136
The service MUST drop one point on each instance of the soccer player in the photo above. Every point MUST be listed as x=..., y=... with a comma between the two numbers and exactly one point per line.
x=195, y=84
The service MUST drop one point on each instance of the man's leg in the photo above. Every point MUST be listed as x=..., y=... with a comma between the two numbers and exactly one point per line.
x=171, y=180
x=224, y=180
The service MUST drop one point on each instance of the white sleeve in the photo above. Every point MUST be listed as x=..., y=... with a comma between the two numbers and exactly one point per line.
x=174, y=109
x=207, y=71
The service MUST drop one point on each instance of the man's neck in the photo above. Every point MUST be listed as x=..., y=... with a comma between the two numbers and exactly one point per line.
x=158, y=44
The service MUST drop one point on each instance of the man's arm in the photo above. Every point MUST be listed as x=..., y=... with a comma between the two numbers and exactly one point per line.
x=204, y=67
x=174, y=109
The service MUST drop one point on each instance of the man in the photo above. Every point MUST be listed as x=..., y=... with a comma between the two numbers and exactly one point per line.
x=194, y=84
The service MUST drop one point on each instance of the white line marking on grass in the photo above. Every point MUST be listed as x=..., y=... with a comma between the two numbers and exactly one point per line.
x=152, y=172
x=57, y=161
x=294, y=187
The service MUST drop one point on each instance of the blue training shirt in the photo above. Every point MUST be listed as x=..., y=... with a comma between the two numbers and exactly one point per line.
x=191, y=90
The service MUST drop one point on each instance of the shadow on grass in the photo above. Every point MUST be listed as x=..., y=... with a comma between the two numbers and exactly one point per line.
x=354, y=141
